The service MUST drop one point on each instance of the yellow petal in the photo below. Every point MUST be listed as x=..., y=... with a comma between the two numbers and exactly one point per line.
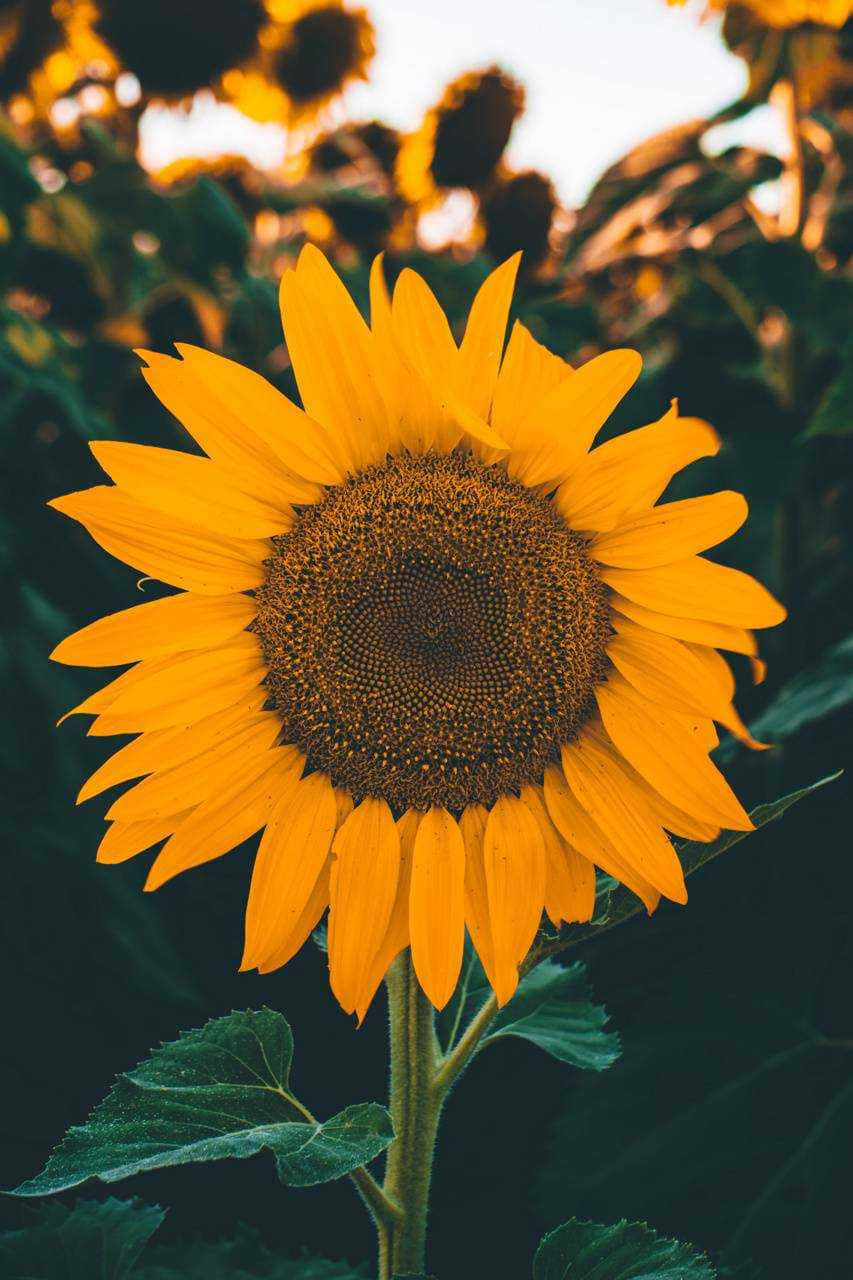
x=717, y=634
x=671, y=531
x=569, y=876
x=186, y=688
x=397, y=934
x=697, y=588
x=293, y=852
x=163, y=748
x=662, y=746
x=528, y=372
x=514, y=861
x=362, y=890
x=125, y=840
x=304, y=926
x=334, y=360
x=717, y=675
x=558, y=431
x=622, y=813
x=482, y=346
x=437, y=904
x=300, y=443
x=577, y=827
x=191, y=780
x=227, y=818
x=104, y=697
x=630, y=473
x=685, y=677
x=191, y=488
x=472, y=824
x=171, y=625
x=410, y=405
x=423, y=332
x=164, y=547
x=221, y=429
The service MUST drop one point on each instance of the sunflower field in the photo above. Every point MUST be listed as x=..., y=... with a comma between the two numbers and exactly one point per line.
x=440, y=706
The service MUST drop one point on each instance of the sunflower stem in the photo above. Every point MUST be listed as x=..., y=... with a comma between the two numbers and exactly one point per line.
x=415, y=1106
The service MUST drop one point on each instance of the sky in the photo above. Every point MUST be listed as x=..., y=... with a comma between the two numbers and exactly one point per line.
x=600, y=76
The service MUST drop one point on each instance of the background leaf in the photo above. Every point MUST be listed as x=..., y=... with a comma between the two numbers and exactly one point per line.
x=80, y=1242
x=218, y=1092
x=625, y=1251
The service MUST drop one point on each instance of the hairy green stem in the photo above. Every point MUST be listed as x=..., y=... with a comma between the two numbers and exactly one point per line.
x=415, y=1106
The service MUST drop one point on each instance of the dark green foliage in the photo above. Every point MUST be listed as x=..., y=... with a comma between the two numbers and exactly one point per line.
x=112, y=1238
x=222, y=1091
x=625, y=1251
x=80, y=1242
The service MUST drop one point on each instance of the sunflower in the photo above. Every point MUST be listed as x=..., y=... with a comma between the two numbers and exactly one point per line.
x=309, y=53
x=175, y=49
x=462, y=138
x=447, y=657
x=789, y=13
x=29, y=33
x=517, y=214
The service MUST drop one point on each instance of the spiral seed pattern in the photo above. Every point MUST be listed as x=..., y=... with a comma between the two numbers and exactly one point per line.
x=433, y=632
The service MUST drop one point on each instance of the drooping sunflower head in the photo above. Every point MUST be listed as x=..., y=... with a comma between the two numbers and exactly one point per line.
x=360, y=143
x=517, y=215
x=325, y=46
x=463, y=137
x=175, y=49
x=445, y=655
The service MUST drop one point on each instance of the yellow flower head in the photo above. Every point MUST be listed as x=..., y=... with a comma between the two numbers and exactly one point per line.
x=449, y=658
x=462, y=138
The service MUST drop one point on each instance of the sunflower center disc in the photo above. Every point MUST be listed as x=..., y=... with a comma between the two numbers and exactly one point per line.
x=433, y=632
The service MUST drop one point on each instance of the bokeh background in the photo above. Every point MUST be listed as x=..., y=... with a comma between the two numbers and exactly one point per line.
x=679, y=182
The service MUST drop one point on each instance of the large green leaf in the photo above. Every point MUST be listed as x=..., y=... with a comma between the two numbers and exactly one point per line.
x=217, y=1092
x=552, y=1009
x=624, y=1251
x=80, y=1242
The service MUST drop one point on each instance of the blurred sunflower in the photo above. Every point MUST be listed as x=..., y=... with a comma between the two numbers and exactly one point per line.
x=517, y=214
x=368, y=142
x=307, y=56
x=28, y=34
x=788, y=13
x=447, y=657
x=462, y=138
x=175, y=49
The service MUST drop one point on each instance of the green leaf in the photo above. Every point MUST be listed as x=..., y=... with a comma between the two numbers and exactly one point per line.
x=622, y=903
x=217, y=1092
x=833, y=415
x=80, y=1241
x=821, y=690
x=552, y=1009
x=624, y=1251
